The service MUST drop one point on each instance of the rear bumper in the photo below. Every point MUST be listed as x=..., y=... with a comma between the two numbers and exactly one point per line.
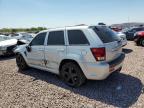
x=117, y=61
x=100, y=71
x=8, y=50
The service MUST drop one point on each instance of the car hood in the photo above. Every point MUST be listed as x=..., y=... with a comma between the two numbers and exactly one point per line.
x=8, y=42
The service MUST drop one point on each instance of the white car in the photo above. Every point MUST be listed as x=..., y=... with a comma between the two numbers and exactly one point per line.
x=75, y=53
x=7, y=44
x=123, y=38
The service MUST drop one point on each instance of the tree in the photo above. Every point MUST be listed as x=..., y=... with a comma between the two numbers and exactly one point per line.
x=14, y=30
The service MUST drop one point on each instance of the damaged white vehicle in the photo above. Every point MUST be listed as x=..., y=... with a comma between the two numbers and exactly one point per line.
x=7, y=44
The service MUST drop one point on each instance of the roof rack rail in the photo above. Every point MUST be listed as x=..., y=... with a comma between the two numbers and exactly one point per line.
x=69, y=26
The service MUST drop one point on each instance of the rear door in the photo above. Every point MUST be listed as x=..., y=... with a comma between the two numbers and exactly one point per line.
x=55, y=50
x=36, y=55
x=112, y=42
x=78, y=45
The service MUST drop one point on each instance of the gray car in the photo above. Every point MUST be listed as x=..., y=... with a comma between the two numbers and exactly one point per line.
x=7, y=44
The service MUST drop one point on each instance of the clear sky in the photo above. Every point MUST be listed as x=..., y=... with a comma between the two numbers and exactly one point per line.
x=59, y=13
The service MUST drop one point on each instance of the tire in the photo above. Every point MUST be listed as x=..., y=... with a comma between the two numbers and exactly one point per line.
x=142, y=42
x=72, y=75
x=21, y=62
x=138, y=42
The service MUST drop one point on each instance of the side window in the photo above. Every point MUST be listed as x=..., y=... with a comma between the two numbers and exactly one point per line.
x=39, y=39
x=136, y=29
x=56, y=38
x=132, y=30
x=77, y=37
x=140, y=29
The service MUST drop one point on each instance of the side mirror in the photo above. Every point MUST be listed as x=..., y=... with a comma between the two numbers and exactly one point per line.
x=28, y=48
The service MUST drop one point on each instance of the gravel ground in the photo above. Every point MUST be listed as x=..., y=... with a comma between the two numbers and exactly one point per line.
x=38, y=89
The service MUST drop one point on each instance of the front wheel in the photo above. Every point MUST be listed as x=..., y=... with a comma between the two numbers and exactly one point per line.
x=72, y=75
x=142, y=42
x=21, y=62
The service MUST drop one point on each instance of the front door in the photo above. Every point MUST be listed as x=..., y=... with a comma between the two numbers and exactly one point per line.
x=35, y=56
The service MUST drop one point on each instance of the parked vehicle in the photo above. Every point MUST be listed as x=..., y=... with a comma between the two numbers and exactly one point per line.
x=139, y=38
x=123, y=38
x=22, y=36
x=7, y=44
x=130, y=33
x=116, y=29
x=75, y=53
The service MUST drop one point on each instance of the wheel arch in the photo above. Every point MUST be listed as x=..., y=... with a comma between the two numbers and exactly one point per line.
x=66, y=61
x=141, y=38
x=22, y=54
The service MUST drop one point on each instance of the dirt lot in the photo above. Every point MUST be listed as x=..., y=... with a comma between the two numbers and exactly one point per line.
x=38, y=89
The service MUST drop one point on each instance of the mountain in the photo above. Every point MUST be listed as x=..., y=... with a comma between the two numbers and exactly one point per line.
x=127, y=25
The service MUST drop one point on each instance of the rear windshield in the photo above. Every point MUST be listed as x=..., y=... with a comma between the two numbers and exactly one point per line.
x=105, y=34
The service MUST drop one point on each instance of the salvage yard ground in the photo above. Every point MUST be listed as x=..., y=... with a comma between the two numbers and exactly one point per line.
x=38, y=89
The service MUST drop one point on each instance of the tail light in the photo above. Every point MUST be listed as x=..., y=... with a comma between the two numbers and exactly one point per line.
x=99, y=53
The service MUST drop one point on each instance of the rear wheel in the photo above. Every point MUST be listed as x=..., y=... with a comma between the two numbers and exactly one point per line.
x=142, y=42
x=72, y=75
x=138, y=42
x=21, y=62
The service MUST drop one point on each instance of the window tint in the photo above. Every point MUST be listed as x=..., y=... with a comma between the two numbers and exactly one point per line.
x=56, y=38
x=76, y=37
x=39, y=39
x=136, y=29
x=105, y=34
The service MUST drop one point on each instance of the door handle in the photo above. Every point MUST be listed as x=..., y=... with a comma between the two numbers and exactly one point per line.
x=60, y=50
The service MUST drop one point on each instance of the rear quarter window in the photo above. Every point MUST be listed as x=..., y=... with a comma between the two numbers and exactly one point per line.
x=105, y=34
x=77, y=37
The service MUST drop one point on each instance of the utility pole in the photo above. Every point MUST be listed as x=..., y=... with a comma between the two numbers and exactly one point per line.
x=128, y=22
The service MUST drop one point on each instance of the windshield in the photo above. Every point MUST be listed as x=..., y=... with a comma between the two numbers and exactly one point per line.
x=105, y=34
x=3, y=38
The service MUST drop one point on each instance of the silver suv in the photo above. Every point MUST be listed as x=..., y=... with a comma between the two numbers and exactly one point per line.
x=75, y=53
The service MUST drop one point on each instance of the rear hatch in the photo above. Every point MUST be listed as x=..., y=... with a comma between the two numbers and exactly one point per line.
x=112, y=42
